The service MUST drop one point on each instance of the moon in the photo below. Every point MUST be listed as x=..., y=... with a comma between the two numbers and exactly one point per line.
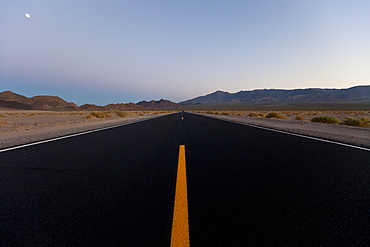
x=27, y=15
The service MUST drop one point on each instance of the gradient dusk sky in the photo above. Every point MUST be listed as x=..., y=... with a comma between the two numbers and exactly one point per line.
x=117, y=51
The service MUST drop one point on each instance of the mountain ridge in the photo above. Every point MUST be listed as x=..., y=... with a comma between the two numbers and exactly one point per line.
x=11, y=100
x=309, y=95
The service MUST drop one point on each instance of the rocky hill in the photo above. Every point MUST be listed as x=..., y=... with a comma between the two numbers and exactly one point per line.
x=162, y=103
x=12, y=100
x=353, y=94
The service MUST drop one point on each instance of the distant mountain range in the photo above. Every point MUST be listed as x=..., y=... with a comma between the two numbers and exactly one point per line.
x=353, y=94
x=12, y=100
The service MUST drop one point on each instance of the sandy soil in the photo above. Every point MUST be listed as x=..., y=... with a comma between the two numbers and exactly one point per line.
x=358, y=136
x=20, y=127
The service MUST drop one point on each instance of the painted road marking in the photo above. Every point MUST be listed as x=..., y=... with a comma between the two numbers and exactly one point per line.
x=180, y=223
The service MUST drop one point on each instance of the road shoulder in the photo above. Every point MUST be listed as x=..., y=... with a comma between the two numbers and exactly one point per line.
x=346, y=134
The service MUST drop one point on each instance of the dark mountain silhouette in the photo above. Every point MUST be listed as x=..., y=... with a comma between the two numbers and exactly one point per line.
x=162, y=103
x=353, y=94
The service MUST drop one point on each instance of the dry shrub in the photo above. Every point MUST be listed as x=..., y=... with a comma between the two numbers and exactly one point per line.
x=299, y=117
x=1, y=115
x=252, y=114
x=351, y=121
x=325, y=119
x=31, y=114
x=120, y=113
x=365, y=122
x=100, y=114
x=3, y=122
x=275, y=115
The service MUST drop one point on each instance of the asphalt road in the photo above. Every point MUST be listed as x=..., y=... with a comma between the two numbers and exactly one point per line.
x=246, y=187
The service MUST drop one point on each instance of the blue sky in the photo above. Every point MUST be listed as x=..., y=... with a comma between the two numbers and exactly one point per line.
x=102, y=52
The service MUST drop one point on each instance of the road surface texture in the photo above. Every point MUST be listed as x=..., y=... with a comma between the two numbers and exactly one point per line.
x=246, y=187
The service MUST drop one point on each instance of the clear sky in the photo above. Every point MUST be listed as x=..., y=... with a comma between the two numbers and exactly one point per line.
x=117, y=51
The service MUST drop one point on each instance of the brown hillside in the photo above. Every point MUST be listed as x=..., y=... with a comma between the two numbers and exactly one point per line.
x=10, y=96
x=158, y=104
x=50, y=103
x=16, y=101
x=7, y=104
x=123, y=107
x=90, y=107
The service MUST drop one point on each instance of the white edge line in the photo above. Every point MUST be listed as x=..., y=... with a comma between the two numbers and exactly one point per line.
x=289, y=133
x=72, y=135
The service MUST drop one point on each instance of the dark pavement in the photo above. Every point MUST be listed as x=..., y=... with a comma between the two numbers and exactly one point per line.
x=246, y=187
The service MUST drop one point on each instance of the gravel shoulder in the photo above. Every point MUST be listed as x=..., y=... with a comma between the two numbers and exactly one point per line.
x=345, y=134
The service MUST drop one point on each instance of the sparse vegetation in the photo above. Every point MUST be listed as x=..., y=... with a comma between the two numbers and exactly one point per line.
x=3, y=122
x=99, y=114
x=365, y=122
x=351, y=121
x=120, y=113
x=1, y=115
x=275, y=115
x=76, y=113
x=252, y=114
x=299, y=117
x=325, y=119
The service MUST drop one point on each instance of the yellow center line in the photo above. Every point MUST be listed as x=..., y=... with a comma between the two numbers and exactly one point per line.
x=180, y=223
